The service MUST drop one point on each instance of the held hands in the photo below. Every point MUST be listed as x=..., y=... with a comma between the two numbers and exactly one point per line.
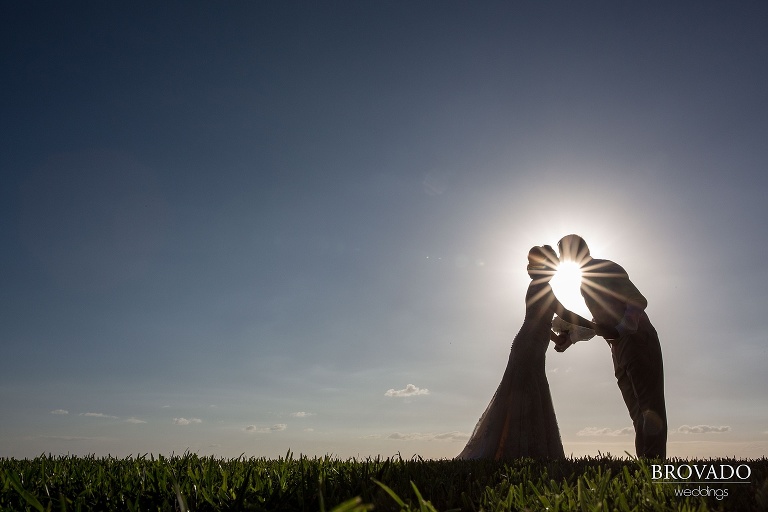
x=562, y=342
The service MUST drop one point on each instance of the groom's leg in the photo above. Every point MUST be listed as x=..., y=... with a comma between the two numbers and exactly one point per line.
x=642, y=385
x=630, y=399
x=649, y=384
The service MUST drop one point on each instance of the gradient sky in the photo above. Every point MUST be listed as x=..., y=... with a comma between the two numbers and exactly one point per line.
x=253, y=227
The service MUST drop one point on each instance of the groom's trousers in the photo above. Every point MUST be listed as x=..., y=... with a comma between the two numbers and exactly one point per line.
x=639, y=371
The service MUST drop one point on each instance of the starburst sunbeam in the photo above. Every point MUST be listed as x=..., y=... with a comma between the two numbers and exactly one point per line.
x=566, y=284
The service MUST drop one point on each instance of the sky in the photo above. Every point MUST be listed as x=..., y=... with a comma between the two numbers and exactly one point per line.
x=259, y=227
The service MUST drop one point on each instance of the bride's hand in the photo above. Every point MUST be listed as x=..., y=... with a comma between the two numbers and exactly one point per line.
x=562, y=342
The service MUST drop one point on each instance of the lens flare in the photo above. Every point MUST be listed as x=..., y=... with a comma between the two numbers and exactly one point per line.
x=566, y=284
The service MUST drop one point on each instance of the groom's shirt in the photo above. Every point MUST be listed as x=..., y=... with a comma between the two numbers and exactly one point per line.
x=611, y=297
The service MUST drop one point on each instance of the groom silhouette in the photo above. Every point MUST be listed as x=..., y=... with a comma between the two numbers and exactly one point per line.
x=618, y=309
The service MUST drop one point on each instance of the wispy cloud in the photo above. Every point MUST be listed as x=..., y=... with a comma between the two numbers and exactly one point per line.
x=73, y=438
x=134, y=420
x=302, y=414
x=265, y=430
x=411, y=436
x=417, y=436
x=185, y=421
x=60, y=411
x=595, y=431
x=410, y=390
x=703, y=429
x=98, y=415
x=452, y=436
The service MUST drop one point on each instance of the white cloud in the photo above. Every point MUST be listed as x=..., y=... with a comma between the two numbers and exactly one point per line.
x=134, y=420
x=413, y=436
x=684, y=429
x=416, y=436
x=185, y=421
x=595, y=431
x=72, y=438
x=452, y=436
x=98, y=415
x=265, y=430
x=410, y=390
x=302, y=414
x=60, y=411
x=703, y=429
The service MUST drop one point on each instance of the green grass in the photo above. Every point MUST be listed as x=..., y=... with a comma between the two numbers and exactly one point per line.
x=195, y=483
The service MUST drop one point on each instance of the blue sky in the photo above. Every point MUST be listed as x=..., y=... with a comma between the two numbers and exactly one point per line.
x=259, y=227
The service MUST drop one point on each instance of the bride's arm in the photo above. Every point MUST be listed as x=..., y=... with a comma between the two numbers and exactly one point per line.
x=569, y=316
x=559, y=339
x=562, y=341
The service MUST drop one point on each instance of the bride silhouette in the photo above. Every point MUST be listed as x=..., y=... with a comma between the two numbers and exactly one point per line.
x=520, y=420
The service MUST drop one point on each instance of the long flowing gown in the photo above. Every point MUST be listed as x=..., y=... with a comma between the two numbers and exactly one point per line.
x=520, y=419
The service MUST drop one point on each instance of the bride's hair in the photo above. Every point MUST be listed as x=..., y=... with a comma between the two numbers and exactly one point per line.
x=542, y=257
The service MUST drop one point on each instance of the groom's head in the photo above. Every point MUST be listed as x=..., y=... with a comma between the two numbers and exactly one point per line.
x=573, y=248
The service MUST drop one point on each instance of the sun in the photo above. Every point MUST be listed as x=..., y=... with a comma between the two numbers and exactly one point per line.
x=566, y=283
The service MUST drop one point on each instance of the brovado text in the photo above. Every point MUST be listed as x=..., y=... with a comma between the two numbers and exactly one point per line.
x=701, y=472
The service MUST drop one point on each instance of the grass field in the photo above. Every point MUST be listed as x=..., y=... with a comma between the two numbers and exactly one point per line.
x=298, y=483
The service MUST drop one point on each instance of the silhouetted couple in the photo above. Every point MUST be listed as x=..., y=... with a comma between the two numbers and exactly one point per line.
x=520, y=419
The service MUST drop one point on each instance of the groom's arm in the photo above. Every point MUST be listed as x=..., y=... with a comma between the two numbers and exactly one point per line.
x=569, y=316
x=635, y=304
x=627, y=325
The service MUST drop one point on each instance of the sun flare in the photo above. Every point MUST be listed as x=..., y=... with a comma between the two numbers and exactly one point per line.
x=566, y=283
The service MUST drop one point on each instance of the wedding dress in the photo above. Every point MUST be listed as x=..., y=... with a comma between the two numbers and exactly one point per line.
x=520, y=419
